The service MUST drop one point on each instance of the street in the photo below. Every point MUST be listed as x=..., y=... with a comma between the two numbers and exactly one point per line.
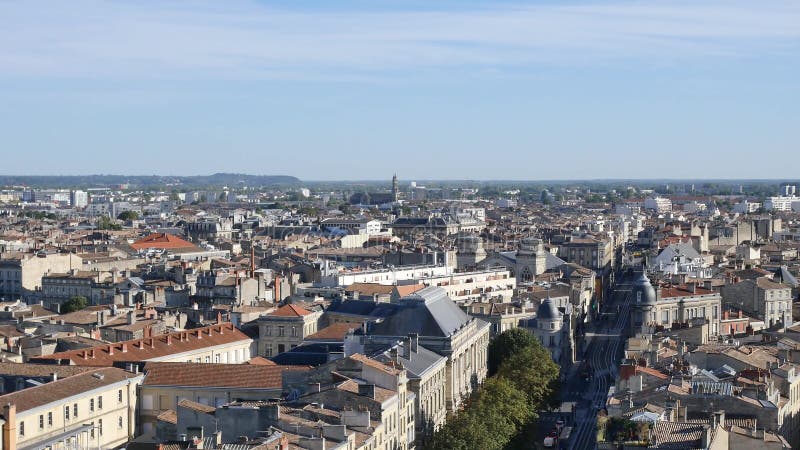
x=605, y=343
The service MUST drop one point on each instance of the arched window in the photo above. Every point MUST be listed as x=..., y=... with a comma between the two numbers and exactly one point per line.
x=526, y=275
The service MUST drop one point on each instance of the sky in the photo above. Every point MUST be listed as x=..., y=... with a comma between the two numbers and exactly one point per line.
x=449, y=89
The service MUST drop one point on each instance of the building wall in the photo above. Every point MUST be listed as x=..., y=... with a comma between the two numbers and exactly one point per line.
x=99, y=407
x=153, y=400
x=770, y=305
x=689, y=308
x=467, y=364
x=279, y=334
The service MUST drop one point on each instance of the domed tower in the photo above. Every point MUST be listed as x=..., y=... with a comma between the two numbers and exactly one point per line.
x=643, y=305
x=531, y=259
x=549, y=324
x=470, y=251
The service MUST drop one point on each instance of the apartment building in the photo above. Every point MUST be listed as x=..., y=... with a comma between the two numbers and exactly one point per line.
x=762, y=298
x=21, y=274
x=165, y=385
x=285, y=328
x=220, y=343
x=679, y=305
x=92, y=409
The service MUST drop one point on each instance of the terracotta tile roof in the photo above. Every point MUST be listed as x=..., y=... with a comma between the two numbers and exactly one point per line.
x=381, y=394
x=168, y=416
x=66, y=387
x=370, y=288
x=199, y=407
x=260, y=361
x=215, y=375
x=374, y=364
x=336, y=331
x=652, y=372
x=162, y=241
x=39, y=370
x=683, y=291
x=138, y=350
x=290, y=311
x=408, y=289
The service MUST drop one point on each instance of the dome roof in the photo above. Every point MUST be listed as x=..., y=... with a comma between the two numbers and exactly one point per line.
x=548, y=311
x=643, y=292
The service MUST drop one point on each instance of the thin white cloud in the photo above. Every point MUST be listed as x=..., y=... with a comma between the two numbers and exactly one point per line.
x=236, y=38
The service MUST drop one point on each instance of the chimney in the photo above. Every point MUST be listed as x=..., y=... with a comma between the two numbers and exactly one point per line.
x=131, y=317
x=101, y=318
x=124, y=348
x=414, y=342
x=111, y=349
x=54, y=376
x=10, y=427
x=719, y=418
x=406, y=348
x=169, y=339
x=706, y=437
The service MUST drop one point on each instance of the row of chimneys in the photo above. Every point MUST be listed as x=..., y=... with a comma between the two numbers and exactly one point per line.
x=183, y=336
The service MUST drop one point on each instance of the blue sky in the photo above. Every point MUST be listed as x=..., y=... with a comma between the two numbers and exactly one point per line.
x=431, y=90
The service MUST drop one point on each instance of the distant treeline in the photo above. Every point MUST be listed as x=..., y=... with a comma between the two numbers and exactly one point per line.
x=146, y=181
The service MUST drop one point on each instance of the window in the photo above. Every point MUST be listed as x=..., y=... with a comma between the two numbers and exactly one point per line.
x=41, y=421
x=294, y=331
x=119, y=422
x=75, y=410
x=119, y=395
x=91, y=405
x=216, y=358
x=22, y=428
x=267, y=330
x=100, y=426
x=49, y=419
x=280, y=331
x=91, y=431
x=99, y=402
x=208, y=359
x=66, y=412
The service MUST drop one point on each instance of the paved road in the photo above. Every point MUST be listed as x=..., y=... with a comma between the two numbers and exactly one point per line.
x=603, y=352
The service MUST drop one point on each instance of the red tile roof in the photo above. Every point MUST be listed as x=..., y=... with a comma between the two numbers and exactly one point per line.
x=684, y=291
x=335, y=331
x=260, y=361
x=138, y=350
x=162, y=241
x=215, y=375
x=36, y=396
x=408, y=289
x=290, y=311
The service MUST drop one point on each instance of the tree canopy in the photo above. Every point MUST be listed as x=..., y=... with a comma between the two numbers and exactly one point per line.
x=75, y=303
x=493, y=415
x=128, y=215
x=501, y=413
x=507, y=343
x=532, y=371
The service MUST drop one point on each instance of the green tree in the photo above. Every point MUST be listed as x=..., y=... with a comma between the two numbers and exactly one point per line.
x=493, y=415
x=532, y=371
x=507, y=343
x=75, y=303
x=105, y=223
x=128, y=215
